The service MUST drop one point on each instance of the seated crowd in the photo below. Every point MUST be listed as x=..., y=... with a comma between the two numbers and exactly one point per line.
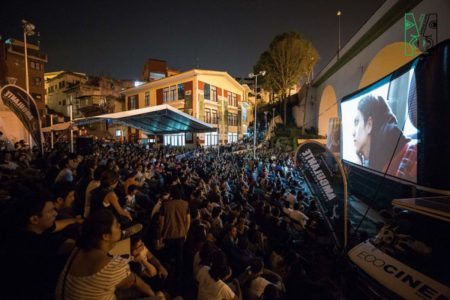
x=202, y=224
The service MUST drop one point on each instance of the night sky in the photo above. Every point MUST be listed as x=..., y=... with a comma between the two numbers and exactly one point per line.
x=115, y=38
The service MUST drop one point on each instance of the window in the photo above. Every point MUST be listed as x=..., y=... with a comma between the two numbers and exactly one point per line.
x=180, y=91
x=232, y=119
x=35, y=65
x=229, y=98
x=37, y=81
x=177, y=139
x=207, y=115
x=213, y=93
x=232, y=137
x=165, y=95
x=147, y=98
x=173, y=93
x=61, y=84
x=211, y=138
x=207, y=92
x=234, y=100
x=132, y=102
x=214, y=116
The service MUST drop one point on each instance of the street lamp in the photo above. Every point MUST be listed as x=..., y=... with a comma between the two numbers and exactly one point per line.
x=251, y=75
x=339, y=13
x=28, y=30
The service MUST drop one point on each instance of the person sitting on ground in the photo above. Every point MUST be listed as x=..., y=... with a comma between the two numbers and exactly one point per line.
x=296, y=215
x=91, y=272
x=149, y=263
x=211, y=280
x=105, y=197
x=256, y=278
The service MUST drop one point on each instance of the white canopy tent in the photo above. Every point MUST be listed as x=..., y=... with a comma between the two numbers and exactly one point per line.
x=160, y=119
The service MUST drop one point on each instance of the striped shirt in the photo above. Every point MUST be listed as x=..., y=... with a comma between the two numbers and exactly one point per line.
x=98, y=286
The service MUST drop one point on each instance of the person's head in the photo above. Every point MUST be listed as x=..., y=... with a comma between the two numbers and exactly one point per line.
x=219, y=267
x=109, y=178
x=36, y=211
x=375, y=128
x=176, y=192
x=64, y=195
x=132, y=190
x=101, y=227
x=232, y=231
x=256, y=265
x=216, y=212
x=98, y=172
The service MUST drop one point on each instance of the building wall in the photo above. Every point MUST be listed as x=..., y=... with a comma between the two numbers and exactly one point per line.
x=15, y=67
x=194, y=102
x=56, y=87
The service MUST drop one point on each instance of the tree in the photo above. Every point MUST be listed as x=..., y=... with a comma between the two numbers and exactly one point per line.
x=289, y=60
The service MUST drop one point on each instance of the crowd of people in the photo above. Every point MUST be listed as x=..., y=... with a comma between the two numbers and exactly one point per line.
x=201, y=223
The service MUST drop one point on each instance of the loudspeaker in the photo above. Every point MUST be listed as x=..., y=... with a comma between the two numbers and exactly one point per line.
x=84, y=145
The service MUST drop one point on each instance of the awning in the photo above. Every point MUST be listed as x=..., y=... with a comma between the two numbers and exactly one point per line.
x=57, y=127
x=160, y=119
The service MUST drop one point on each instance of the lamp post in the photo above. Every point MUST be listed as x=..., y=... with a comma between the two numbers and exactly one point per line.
x=251, y=75
x=273, y=116
x=339, y=13
x=265, y=118
x=28, y=30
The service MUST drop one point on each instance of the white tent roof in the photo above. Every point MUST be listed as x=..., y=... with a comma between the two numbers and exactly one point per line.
x=160, y=119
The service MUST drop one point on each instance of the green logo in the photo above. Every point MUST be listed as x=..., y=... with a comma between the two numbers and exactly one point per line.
x=420, y=33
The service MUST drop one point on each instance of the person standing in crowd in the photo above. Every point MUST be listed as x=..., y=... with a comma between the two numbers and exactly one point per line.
x=175, y=220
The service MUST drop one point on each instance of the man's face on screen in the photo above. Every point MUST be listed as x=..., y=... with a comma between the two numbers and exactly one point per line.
x=361, y=134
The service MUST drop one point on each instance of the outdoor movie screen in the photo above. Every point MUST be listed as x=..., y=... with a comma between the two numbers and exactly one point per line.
x=379, y=126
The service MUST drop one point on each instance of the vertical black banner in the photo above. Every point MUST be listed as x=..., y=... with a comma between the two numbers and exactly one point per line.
x=326, y=179
x=24, y=106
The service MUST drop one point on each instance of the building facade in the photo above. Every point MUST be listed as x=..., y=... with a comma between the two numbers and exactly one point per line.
x=14, y=62
x=210, y=96
x=89, y=95
x=12, y=71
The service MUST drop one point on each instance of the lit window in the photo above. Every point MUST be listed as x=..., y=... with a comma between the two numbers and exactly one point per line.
x=207, y=115
x=213, y=93
x=165, y=95
x=177, y=139
x=180, y=91
x=147, y=98
x=207, y=91
x=132, y=102
x=211, y=138
x=232, y=137
x=37, y=81
x=214, y=116
x=173, y=93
